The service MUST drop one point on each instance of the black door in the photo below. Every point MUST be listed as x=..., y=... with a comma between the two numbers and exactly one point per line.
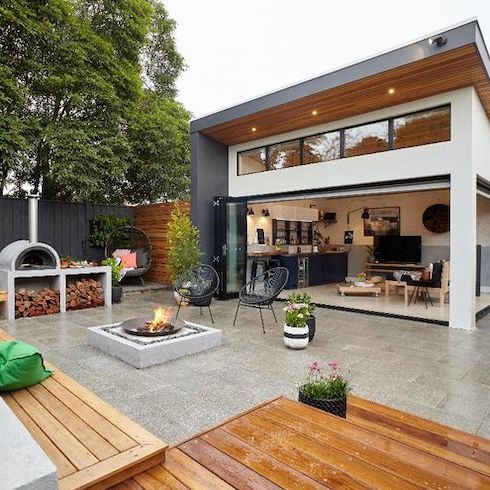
x=230, y=244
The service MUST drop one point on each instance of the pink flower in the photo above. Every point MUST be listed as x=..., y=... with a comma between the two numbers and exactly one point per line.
x=334, y=365
x=314, y=366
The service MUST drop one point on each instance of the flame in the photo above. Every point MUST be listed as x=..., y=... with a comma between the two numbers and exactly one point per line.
x=161, y=318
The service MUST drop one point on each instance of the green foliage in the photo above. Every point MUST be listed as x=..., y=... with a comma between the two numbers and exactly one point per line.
x=326, y=384
x=183, y=239
x=302, y=297
x=74, y=76
x=116, y=270
x=105, y=225
x=158, y=163
x=296, y=314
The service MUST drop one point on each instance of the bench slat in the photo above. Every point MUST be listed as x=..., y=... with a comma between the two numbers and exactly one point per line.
x=69, y=445
x=97, y=445
x=63, y=465
x=100, y=424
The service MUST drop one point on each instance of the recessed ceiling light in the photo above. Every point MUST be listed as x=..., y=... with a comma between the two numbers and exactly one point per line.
x=391, y=91
x=314, y=112
x=254, y=129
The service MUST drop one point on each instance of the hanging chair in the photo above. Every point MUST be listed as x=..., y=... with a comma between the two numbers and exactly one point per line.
x=136, y=241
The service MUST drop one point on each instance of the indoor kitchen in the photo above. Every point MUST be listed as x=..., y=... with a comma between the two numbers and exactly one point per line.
x=365, y=252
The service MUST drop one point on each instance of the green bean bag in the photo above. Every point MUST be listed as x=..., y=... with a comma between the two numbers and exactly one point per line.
x=21, y=365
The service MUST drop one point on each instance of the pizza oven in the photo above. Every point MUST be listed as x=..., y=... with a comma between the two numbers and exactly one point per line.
x=29, y=254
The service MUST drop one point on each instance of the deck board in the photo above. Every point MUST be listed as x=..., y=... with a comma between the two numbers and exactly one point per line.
x=285, y=444
x=91, y=444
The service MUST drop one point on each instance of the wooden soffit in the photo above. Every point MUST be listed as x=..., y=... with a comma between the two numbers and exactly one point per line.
x=451, y=70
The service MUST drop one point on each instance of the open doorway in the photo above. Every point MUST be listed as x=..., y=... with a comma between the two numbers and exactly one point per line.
x=383, y=240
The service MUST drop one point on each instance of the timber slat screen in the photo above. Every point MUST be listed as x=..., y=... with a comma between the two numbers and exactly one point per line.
x=285, y=444
x=64, y=226
x=91, y=444
x=153, y=220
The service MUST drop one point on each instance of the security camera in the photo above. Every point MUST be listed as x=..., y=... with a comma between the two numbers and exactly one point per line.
x=439, y=41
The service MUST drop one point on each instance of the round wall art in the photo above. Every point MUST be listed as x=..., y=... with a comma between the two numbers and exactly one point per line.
x=436, y=218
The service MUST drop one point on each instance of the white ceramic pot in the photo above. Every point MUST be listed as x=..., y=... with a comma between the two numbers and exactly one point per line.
x=296, y=337
x=178, y=297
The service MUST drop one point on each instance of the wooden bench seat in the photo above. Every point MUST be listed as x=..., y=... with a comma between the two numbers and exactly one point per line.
x=91, y=444
x=285, y=444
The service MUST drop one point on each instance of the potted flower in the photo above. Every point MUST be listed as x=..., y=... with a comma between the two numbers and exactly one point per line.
x=117, y=275
x=296, y=326
x=326, y=389
x=184, y=251
x=304, y=297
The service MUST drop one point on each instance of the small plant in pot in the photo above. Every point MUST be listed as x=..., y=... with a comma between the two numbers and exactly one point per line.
x=117, y=275
x=296, y=326
x=184, y=251
x=304, y=297
x=326, y=388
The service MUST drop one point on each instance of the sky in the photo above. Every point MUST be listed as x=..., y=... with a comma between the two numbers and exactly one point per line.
x=238, y=50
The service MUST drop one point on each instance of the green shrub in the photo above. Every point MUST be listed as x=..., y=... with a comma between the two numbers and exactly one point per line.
x=116, y=270
x=183, y=239
x=103, y=226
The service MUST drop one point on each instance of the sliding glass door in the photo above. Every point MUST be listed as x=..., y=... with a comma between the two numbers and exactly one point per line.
x=230, y=244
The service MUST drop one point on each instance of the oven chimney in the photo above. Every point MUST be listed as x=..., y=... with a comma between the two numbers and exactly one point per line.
x=32, y=203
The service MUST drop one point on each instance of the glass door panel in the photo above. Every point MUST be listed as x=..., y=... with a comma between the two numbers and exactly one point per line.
x=230, y=244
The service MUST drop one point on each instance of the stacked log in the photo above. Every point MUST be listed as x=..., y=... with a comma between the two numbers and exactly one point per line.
x=85, y=293
x=29, y=302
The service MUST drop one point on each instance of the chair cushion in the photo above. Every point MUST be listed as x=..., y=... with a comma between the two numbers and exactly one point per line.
x=21, y=365
x=141, y=258
x=129, y=261
x=139, y=271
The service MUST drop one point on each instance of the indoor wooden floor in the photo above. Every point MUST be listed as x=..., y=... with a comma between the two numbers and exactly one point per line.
x=285, y=444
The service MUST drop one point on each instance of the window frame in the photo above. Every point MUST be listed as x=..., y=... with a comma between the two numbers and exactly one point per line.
x=391, y=140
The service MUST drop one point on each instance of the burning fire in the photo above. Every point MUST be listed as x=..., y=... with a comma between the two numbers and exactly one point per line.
x=162, y=317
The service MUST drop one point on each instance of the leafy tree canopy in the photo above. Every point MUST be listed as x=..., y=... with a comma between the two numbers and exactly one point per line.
x=87, y=103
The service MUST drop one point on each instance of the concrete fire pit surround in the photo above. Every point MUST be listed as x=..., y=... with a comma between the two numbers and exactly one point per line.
x=142, y=352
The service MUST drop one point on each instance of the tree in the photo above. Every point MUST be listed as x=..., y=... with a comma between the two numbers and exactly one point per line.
x=72, y=72
x=158, y=163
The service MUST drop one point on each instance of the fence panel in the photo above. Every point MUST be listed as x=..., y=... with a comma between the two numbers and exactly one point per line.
x=64, y=226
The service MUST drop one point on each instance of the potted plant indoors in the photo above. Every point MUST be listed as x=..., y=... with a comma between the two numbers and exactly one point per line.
x=117, y=275
x=304, y=297
x=326, y=388
x=296, y=326
x=184, y=251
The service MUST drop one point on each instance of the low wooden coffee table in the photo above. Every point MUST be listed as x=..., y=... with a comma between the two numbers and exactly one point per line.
x=349, y=289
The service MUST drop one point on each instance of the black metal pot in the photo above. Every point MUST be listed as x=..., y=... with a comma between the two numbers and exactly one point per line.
x=117, y=294
x=335, y=406
x=311, y=322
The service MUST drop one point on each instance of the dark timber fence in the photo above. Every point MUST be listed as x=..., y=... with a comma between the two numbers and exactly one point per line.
x=64, y=226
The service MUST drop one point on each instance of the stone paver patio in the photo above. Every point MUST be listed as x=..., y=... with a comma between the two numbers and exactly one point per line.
x=431, y=371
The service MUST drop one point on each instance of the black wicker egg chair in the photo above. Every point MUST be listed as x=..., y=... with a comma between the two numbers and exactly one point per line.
x=135, y=239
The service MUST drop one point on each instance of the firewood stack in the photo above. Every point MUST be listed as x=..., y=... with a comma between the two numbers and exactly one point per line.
x=29, y=302
x=86, y=293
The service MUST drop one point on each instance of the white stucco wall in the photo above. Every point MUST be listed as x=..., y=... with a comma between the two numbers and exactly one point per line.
x=427, y=160
x=481, y=138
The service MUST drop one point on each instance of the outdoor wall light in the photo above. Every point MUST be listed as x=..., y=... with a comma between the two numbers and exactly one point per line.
x=391, y=91
x=250, y=211
x=254, y=129
x=364, y=215
x=265, y=212
x=439, y=41
x=314, y=112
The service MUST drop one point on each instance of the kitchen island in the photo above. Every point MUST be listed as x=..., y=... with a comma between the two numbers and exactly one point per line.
x=321, y=268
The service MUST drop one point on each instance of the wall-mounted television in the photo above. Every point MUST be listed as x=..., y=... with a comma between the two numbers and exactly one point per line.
x=392, y=248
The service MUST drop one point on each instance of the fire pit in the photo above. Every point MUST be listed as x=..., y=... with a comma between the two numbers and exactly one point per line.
x=144, y=342
x=163, y=323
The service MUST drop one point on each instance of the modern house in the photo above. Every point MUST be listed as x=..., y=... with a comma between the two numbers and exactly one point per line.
x=371, y=154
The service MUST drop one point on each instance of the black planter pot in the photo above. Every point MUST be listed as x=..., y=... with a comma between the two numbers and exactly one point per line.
x=117, y=294
x=311, y=322
x=336, y=406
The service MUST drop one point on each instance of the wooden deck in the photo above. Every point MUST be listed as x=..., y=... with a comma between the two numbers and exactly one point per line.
x=285, y=444
x=91, y=444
